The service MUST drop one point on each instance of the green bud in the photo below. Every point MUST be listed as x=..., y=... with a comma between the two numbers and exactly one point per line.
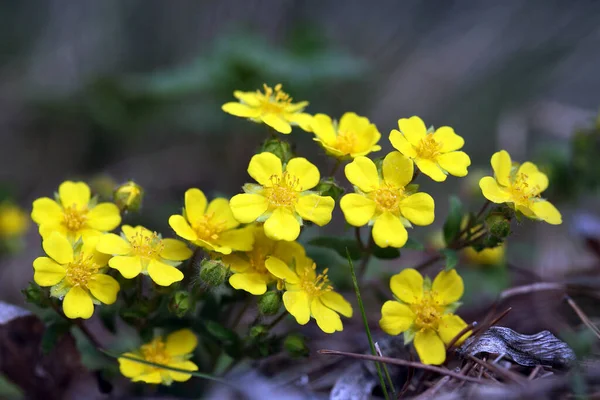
x=34, y=295
x=295, y=345
x=213, y=272
x=280, y=148
x=128, y=196
x=180, y=303
x=498, y=225
x=258, y=331
x=329, y=187
x=269, y=303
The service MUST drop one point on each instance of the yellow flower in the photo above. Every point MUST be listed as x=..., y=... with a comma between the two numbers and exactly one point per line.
x=75, y=274
x=353, y=136
x=129, y=196
x=283, y=197
x=13, y=221
x=273, y=107
x=425, y=312
x=249, y=270
x=74, y=214
x=520, y=186
x=310, y=295
x=491, y=256
x=139, y=250
x=174, y=352
x=386, y=202
x=212, y=227
x=434, y=153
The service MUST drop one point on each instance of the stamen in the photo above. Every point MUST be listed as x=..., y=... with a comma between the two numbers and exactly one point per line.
x=346, y=141
x=428, y=148
x=316, y=286
x=388, y=198
x=74, y=219
x=147, y=246
x=80, y=270
x=156, y=352
x=283, y=191
x=428, y=311
x=208, y=227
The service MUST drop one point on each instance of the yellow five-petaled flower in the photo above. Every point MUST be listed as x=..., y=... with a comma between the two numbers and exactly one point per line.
x=434, y=153
x=273, y=107
x=385, y=201
x=283, y=197
x=425, y=311
x=519, y=186
x=75, y=274
x=353, y=136
x=74, y=214
x=140, y=250
x=174, y=352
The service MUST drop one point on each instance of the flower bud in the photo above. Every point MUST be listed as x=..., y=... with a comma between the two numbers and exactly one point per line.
x=258, y=331
x=128, y=196
x=34, y=295
x=280, y=148
x=180, y=303
x=213, y=272
x=295, y=345
x=498, y=225
x=269, y=303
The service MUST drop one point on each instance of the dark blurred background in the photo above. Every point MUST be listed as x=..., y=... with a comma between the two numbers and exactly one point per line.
x=112, y=90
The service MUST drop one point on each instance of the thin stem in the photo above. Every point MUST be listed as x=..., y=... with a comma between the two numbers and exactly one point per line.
x=584, y=318
x=428, y=262
x=238, y=317
x=366, y=324
x=367, y=251
x=387, y=373
x=482, y=210
x=79, y=324
x=335, y=167
x=358, y=238
x=277, y=320
x=526, y=289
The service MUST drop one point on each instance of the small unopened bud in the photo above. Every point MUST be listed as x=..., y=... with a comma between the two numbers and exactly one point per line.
x=295, y=345
x=280, y=148
x=213, y=272
x=128, y=196
x=269, y=303
x=258, y=331
x=498, y=225
x=34, y=295
x=180, y=303
x=329, y=187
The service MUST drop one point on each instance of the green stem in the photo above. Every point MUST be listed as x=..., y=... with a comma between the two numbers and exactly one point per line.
x=240, y=314
x=387, y=374
x=366, y=324
x=335, y=168
x=364, y=262
x=277, y=320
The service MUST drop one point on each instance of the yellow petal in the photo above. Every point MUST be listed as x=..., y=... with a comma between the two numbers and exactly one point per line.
x=182, y=228
x=413, y=128
x=221, y=210
x=47, y=272
x=397, y=169
x=450, y=326
x=175, y=250
x=78, y=304
x=281, y=270
x=322, y=126
x=195, y=204
x=277, y=122
x=89, y=248
x=235, y=239
x=46, y=211
x=328, y=320
x=151, y=377
x=448, y=286
x=418, y=208
x=297, y=303
x=501, y=164
x=408, y=286
x=247, y=208
x=241, y=110
x=431, y=169
x=545, y=211
x=48, y=229
x=163, y=274
x=307, y=174
x=59, y=248
x=129, y=267
x=180, y=376
x=249, y=98
x=448, y=139
x=263, y=166
x=303, y=120
x=395, y=317
x=181, y=342
x=358, y=209
x=362, y=173
x=455, y=162
x=113, y=244
x=315, y=208
x=237, y=263
x=252, y=282
x=430, y=347
x=535, y=179
x=104, y=217
x=130, y=231
x=389, y=231
x=492, y=191
x=401, y=144
x=104, y=288
x=130, y=368
x=337, y=303
x=74, y=194
x=282, y=225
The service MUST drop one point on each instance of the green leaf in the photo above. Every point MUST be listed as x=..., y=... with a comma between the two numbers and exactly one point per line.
x=220, y=332
x=409, y=335
x=413, y=244
x=329, y=187
x=454, y=219
x=387, y=253
x=54, y=331
x=451, y=257
x=339, y=245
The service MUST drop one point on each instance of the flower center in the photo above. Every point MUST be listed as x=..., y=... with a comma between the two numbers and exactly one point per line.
x=80, y=270
x=156, y=352
x=283, y=191
x=521, y=191
x=428, y=311
x=428, y=148
x=274, y=101
x=208, y=228
x=257, y=256
x=388, y=198
x=146, y=246
x=346, y=141
x=316, y=286
x=73, y=218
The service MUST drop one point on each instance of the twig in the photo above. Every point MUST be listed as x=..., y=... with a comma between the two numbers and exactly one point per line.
x=277, y=320
x=460, y=334
x=361, y=245
x=404, y=363
x=506, y=374
x=238, y=317
x=427, y=263
x=534, y=287
x=433, y=391
x=534, y=372
x=584, y=318
x=482, y=210
x=387, y=373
